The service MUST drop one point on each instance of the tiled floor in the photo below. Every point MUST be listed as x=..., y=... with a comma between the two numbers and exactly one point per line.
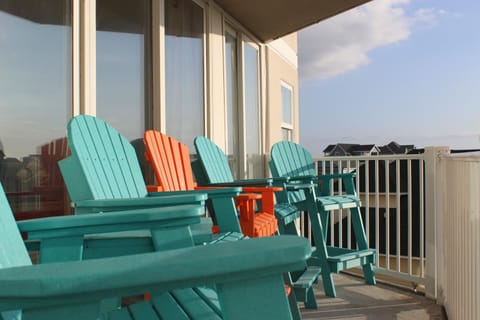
x=356, y=300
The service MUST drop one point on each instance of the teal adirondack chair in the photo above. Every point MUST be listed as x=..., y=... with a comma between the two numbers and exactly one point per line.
x=309, y=192
x=103, y=174
x=212, y=169
x=78, y=289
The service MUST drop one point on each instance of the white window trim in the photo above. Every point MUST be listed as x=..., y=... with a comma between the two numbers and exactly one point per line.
x=245, y=40
x=75, y=57
x=158, y=65
x=88, y=62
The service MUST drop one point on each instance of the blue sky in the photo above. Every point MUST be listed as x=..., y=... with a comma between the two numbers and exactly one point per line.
x=398, y=70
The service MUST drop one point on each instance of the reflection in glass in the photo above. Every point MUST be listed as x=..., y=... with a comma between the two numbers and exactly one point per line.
x=252, y=112
x=123, y=64
x=232, y=119
x=184, y=43
x=36, y=102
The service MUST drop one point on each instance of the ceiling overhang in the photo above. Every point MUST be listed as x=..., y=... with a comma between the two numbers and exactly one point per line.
x=265, y=19
x=271, y=19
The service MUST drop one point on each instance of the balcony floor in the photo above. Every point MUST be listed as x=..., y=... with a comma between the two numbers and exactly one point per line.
x=356, y=300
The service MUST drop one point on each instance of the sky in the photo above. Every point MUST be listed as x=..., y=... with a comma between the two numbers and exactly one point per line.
x=392, y=70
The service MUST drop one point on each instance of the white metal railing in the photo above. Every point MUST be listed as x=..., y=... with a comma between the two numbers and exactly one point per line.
x=392, y=190
x=422, y=214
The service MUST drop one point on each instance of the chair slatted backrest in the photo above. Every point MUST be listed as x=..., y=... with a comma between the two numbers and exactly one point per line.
x=213, y=160
x=289, y=159
x=170, y=161
x=13, y=252
x=292, y=160
x=108, y=160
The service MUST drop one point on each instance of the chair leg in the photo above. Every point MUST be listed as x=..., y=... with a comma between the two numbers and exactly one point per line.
x=328, y=285
x=368, y=274
x=294, y=310
x=310, y=301
x=359, y=231
x=319, y=235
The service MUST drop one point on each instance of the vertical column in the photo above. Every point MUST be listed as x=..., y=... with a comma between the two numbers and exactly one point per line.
x=434, y=207
x=75, y=57
x=215, y=77
x=88, y=65
x=158, y=64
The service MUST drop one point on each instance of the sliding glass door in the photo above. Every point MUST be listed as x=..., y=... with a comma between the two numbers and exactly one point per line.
x=184, y=70
x=35, y=103
x=123, y=57
x=242, y=106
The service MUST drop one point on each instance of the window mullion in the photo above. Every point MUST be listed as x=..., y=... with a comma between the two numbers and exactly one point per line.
x=88, y=79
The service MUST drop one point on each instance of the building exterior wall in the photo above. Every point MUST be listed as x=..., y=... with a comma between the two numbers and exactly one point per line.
x=282, y=67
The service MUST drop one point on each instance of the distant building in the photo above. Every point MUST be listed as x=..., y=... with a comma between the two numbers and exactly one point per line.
x=395, y=148
x=349, y=149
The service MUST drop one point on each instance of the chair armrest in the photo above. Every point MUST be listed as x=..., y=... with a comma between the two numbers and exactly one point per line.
x=302, y=179
x=298, y=186
x=213, y=192
x=248, y=197
x=172, y=197
x=262, y=189
x=156, y=199
x=325, y=178
x=91, y=280
x=260, y=182
x=241, y=183
x=141, y=219
x=325, y=182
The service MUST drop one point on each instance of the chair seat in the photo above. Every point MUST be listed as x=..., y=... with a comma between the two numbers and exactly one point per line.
x=303, y=286
x=338, y=202
x=197, y=303
x=264, y=225
x=227, y=237
x=341, y=259
x=286, y=213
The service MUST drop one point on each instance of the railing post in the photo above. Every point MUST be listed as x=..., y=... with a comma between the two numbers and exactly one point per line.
x=434, y=188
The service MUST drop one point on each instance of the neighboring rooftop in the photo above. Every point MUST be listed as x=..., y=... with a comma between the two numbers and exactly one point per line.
x=351, y=149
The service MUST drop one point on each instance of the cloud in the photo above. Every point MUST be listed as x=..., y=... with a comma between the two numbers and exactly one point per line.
x=342, y=43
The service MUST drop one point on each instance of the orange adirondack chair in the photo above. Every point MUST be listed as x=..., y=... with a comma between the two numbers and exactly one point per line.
x=170, y=161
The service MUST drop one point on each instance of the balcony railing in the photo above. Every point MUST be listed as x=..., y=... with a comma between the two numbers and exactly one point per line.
x=393, y=207
x=422, y=214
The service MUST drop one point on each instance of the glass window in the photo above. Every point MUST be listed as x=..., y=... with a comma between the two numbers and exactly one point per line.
x=252, y=111
x=287, y=111
x=232, y=115
x=184, y=70
x=287, y=104
x=36, y=102
x=123, y=64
